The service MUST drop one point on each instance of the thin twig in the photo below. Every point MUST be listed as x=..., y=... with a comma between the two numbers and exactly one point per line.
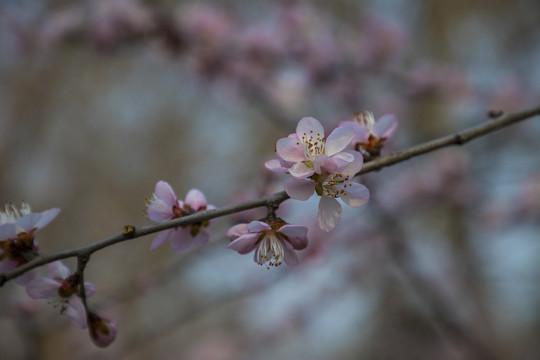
x=459, y=138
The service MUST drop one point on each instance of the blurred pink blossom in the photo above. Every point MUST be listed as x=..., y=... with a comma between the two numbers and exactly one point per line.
x=164, y=205
x=102, y=331
x=62, y=289
x=371, y=135
x=17, y=243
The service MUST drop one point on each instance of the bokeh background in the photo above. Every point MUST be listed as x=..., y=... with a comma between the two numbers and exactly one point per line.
x=100, y=99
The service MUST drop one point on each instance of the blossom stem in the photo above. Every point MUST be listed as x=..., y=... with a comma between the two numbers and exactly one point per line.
x=82, y=260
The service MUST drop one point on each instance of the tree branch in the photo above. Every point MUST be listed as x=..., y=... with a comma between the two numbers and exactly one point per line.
x=273, y=200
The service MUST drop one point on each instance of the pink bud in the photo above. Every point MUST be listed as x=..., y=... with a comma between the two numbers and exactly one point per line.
x=102, y=331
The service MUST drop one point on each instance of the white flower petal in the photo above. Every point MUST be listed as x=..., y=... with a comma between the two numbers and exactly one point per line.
x=46, y=217
x=329, y=213
x=290, y=150
x=299, y=189
x=356, y=195
x=300, y=170
x=338, y=140
x=244, y=244
x=237, y=230
x=386, y=126
x=275, y=166
x=42, y=288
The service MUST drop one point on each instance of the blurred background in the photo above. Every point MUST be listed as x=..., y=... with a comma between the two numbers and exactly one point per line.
x=100, y=99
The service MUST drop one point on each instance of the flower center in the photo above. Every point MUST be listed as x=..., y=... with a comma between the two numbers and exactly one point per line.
x=270, y=250
x=331, y=184
x=11, y=214
x=313, y=145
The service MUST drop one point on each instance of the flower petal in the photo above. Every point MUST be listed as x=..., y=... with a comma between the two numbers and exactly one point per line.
x=57, y=270
x=275, y=166
x=300, y=170
x=42, y=288
x=289, y=255
x=164, y=192
x=181, y=239
x=160, y=238
x=196, y=199
x=386, y=126
x=237, y=230
x=296, y=234
x=25, y=278
x=28, y=222
x=356, y=195
x=46, y=217
x=245, y=243
x=355, y=166
x=290, y=150
x=344, y=158
x=329, y=213
x=89, y=289
x=202, y=237
x=309, y=126
x=76, y=313
x=8, y=231
x=257, y=226
x=299, y=189
x=159, y=210
x=338, y=140
x=324, y=163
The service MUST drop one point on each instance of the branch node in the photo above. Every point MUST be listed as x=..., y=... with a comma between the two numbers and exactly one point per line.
x=128, y=231
x=460, y=139
x=495, y=113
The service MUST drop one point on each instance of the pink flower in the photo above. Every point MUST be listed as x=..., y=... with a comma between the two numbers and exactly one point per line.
x=17, y=244
x=62, y=289
x=370, y=135
x=165, y=206
x=102, y=330
x=329, y=185
x=273, y=242
x=304, y=153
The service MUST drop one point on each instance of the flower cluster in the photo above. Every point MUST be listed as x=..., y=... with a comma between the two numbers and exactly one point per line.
x=165, y=205
x=317, y=164
x=61, y=288
x=322, y=165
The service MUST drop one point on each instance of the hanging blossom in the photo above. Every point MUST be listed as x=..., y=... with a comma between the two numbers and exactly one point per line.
x=305, y=152
x=274, y=242
x=62, y=289
x=102, y=331
x=319, y=165
x=164, y=205
x=17, y=242
x=370, y=135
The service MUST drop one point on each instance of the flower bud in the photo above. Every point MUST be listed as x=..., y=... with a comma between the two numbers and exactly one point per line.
x=102, y=331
